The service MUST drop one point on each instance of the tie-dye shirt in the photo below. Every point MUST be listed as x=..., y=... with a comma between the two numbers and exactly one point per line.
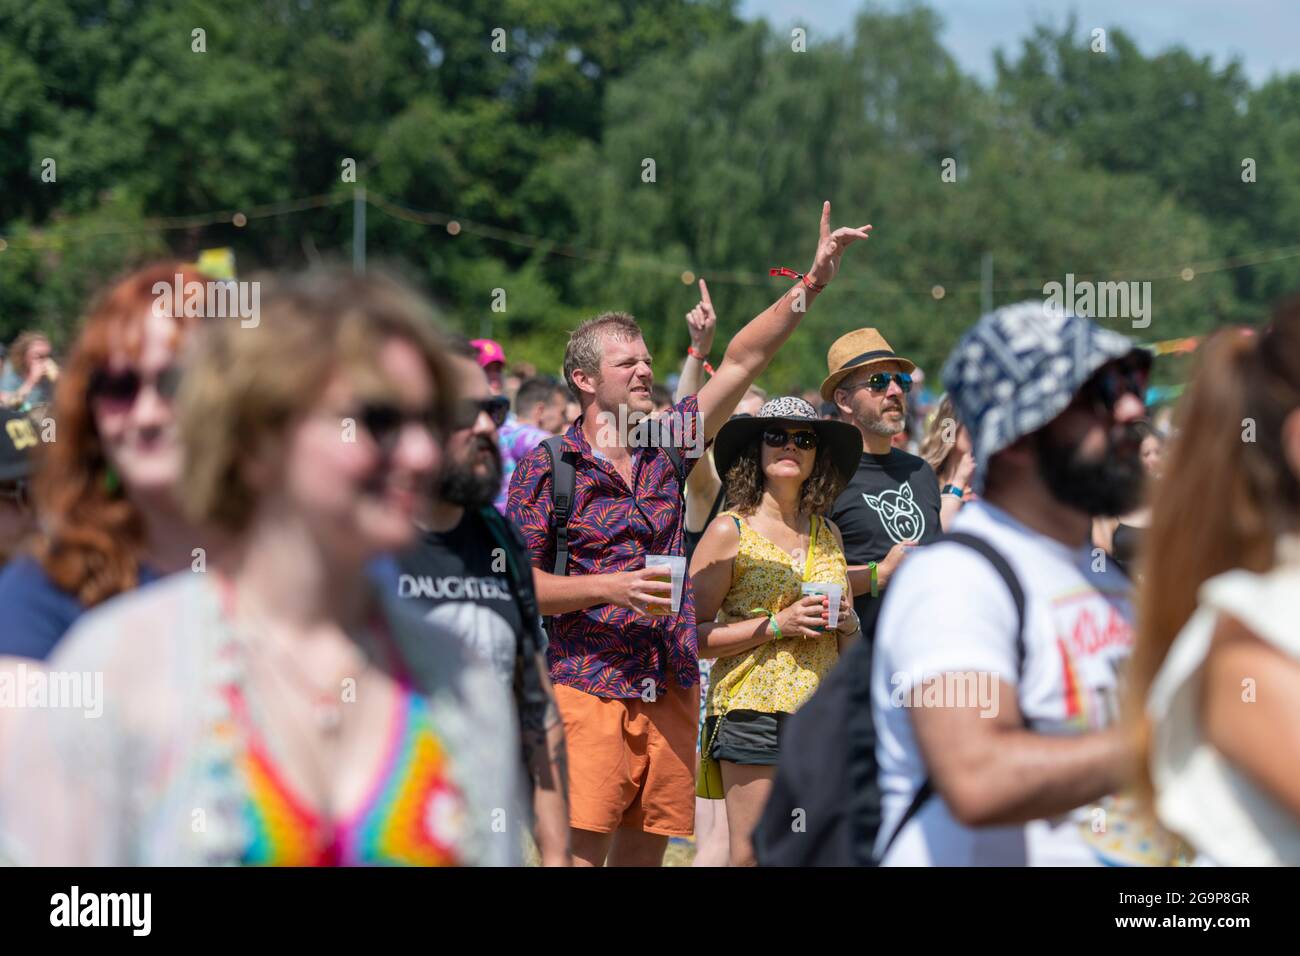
x=606, y=650
x=515, y=439
x=169, y=765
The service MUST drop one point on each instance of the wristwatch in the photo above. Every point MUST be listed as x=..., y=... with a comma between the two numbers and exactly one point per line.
x=953, y=490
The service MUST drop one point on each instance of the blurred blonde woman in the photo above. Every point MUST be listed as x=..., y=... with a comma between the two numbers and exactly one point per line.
x=947, y=448
x=1217, y=663
x=315, y=720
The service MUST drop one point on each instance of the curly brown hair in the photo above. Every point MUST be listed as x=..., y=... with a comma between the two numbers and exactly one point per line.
x=744, y=482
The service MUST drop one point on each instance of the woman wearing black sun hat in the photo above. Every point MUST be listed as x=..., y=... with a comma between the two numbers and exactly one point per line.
x=783, y=469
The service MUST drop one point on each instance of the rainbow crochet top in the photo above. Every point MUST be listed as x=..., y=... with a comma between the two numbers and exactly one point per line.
x=411, y=817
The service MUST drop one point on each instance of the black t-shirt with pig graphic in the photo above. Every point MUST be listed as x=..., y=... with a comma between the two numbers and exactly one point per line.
x=891, y=499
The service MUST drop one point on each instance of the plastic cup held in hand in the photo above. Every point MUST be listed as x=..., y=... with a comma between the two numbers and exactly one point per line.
x=676, y=572
x=832, y=591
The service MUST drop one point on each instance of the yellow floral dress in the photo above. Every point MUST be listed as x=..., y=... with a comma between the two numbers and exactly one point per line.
x=781, y=674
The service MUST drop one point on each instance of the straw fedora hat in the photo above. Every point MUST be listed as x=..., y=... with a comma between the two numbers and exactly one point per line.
x=859, y=349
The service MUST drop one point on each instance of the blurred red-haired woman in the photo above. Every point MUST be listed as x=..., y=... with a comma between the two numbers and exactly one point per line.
x=105, y=478
x=1217, y=663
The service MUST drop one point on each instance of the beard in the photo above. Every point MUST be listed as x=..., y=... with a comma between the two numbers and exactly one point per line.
x=467, y=483
x=1109, y=487
x=878, y=425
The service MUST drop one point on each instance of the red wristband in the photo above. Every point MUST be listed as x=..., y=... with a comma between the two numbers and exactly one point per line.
x=695, y=353
x=803, y=278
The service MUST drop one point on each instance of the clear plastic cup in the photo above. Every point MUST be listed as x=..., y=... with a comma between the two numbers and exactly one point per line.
x=676, y=565
x=833, y=591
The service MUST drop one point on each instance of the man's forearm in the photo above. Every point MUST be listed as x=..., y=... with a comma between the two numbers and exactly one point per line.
x=559, y=594
x=692, y=378
x=749, y=353
x=860, y=578
x=1029, y=776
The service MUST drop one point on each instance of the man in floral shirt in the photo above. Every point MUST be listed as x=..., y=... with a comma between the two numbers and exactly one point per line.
x=624, y=665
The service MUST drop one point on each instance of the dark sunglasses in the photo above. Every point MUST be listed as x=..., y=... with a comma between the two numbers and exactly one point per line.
x=123, y=388
x=16, y=491
x=467, y=411
x=778, y=437
x=385, y=421
x=880, y=381
x=1112, y=382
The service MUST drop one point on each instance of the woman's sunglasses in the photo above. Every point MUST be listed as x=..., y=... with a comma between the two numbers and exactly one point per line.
x=778, y=437
x=467, y=411
x=123, y=388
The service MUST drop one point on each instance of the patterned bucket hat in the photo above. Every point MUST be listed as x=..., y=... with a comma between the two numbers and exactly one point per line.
x=1019, y=367
x=842, y=440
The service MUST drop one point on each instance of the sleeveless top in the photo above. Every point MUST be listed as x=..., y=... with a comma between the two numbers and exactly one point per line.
x=176, y=770
x=780, y=675
x=1202, y=797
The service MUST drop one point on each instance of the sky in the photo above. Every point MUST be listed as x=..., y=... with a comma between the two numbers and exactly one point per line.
x=1262, y=33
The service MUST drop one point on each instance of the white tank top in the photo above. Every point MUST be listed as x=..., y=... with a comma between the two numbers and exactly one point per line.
x=1199, y=794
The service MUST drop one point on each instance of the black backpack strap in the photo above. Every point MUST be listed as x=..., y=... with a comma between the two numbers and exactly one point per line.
x=564, y=477
x=530, y=642
x=1008, y=576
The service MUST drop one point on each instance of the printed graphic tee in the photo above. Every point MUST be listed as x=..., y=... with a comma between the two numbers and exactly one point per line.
x=891, y=499
x=462, y=587
x=1077, y=638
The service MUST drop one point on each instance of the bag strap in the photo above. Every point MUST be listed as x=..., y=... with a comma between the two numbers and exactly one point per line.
x=1008, y=576
x=812, y=548
x=564, y=477
x=529, y=644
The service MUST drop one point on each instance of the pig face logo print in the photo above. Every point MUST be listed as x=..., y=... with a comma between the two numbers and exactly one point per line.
x=899, y=514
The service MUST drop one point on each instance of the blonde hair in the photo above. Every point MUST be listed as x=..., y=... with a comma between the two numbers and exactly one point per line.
x=585, y=349
x=936, y=446
x=245, y=386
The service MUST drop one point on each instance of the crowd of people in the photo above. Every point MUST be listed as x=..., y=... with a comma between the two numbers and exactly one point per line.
x=345, y=588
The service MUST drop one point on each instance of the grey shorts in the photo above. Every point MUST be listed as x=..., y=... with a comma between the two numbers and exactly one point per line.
x=747, y=737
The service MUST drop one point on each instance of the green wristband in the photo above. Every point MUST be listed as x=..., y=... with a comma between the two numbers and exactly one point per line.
x=875, y=588
x=771, y=620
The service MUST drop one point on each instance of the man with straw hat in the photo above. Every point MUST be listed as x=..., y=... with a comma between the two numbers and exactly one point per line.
x=892, y=502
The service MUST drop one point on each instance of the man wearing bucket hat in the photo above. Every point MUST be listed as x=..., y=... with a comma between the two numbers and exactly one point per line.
x=1034, y=626
x=891, y=504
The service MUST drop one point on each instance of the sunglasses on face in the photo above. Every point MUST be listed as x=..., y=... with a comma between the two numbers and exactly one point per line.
x=880, y=381
x=1114, y=381
x=123, y=388
x=467, y=411
x=16, y=491
x=778, y=437
x=385, y=421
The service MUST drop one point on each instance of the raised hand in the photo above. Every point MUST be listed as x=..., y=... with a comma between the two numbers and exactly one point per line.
x=702, y=321
x=831, y=245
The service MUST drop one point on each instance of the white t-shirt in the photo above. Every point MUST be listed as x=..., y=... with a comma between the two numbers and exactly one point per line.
x=947, y=610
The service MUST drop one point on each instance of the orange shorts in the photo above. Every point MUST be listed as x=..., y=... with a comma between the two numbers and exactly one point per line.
x=631, y=762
